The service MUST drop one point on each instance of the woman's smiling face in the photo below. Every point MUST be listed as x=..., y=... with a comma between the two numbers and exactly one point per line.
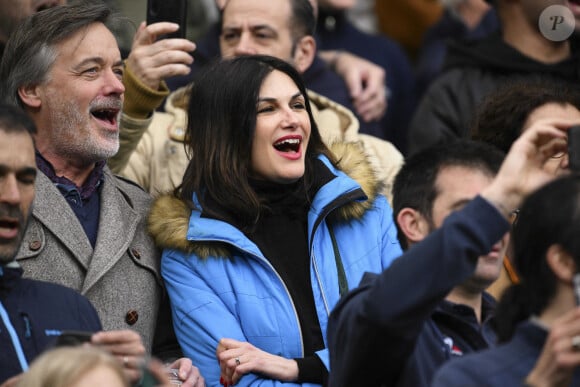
x=282, y=131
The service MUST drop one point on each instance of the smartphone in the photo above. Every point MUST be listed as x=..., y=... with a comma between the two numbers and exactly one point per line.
x=73, y=338
x=576, y=280
x=174, y=11
x=574, y=148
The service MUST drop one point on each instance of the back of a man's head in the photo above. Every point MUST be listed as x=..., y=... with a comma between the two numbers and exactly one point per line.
x=30, y=51
x=414, y=186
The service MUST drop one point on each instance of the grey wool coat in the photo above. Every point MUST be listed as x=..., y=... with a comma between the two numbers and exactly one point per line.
x=120, y=276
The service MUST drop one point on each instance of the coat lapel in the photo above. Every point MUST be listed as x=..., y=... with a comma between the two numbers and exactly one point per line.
x=117, y=225
x=57, y=216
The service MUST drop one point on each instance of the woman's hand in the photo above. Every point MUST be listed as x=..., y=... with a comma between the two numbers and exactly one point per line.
x=237, y=358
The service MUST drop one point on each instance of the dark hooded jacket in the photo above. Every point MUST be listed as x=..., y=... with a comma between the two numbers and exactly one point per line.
x=473, y=69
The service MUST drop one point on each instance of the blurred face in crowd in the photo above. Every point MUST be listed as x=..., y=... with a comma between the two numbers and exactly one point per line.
x=13, y=11
x=17, y=176
x=282, y=131
x=554, y=110
x=76, y=110
x=257, y=27
x=456, y=186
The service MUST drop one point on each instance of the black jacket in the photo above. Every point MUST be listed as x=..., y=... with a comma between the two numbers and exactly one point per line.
x=38, y=312
x=389, y=331
x=472, y=70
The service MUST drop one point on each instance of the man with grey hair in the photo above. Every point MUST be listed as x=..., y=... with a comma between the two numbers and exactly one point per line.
x=88, y=228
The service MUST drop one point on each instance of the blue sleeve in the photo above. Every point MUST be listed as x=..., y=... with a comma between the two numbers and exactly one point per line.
x=201, y=317
x=372, y=331
x=391, y=247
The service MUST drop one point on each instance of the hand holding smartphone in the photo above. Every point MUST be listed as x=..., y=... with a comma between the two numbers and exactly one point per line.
x=574, y=148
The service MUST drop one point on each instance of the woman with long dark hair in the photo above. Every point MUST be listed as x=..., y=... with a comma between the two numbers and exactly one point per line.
x=268, y=229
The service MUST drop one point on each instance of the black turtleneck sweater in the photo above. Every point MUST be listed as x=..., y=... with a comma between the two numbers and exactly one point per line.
x=282, y=236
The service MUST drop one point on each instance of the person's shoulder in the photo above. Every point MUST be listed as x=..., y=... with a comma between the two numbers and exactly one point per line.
x=51, y=293
x=469, y=370
x=497, y=366
x=60, y=302
x=128, y=186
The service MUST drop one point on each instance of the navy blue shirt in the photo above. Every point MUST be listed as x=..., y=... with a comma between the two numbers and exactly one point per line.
x=85, y=201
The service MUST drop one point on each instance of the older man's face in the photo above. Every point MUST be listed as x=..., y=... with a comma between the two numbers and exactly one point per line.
x=81, y=101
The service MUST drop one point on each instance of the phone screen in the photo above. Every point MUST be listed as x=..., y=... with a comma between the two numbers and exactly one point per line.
x=174, y=11
x=574, y=148
x=576, y=280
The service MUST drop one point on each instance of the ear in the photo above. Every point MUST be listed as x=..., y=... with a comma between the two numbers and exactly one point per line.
x=413, y=225
x=30, y=95
x=561, y=263
x=304, y=53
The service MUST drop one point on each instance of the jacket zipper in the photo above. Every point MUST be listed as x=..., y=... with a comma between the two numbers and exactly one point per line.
x=343, y=199
x=264, y=260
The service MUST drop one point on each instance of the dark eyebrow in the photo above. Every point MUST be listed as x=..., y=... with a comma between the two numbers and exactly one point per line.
x=269, y=99
x=4, y=169
x=27, y=171
x=98, y=60
x=263, y=27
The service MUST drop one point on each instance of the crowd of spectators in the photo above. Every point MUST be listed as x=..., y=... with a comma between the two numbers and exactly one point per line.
x=297, y=192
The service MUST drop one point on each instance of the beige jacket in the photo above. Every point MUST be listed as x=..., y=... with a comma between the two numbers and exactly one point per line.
x=154, y=156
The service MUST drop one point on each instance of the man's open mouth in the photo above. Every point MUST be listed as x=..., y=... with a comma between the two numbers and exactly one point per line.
x=107, y=115
x=8, y=228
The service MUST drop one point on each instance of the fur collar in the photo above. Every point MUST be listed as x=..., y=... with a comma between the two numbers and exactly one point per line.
x=169, y=216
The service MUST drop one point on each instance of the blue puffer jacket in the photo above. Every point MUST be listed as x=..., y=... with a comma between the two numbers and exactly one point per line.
x=221, y=285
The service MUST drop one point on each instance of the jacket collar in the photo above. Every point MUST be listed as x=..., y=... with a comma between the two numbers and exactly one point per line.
x=10, y=274
x=172, y=223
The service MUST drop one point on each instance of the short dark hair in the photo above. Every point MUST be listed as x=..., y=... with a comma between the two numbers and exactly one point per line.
x=414, y=186
x=500, y=118
x=549, y=216
x=14, y=120
x=221, y=125
x=30, y=51
x=302, y=20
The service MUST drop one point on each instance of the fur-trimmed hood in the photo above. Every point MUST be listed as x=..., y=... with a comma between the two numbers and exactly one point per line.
x=169, y=217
